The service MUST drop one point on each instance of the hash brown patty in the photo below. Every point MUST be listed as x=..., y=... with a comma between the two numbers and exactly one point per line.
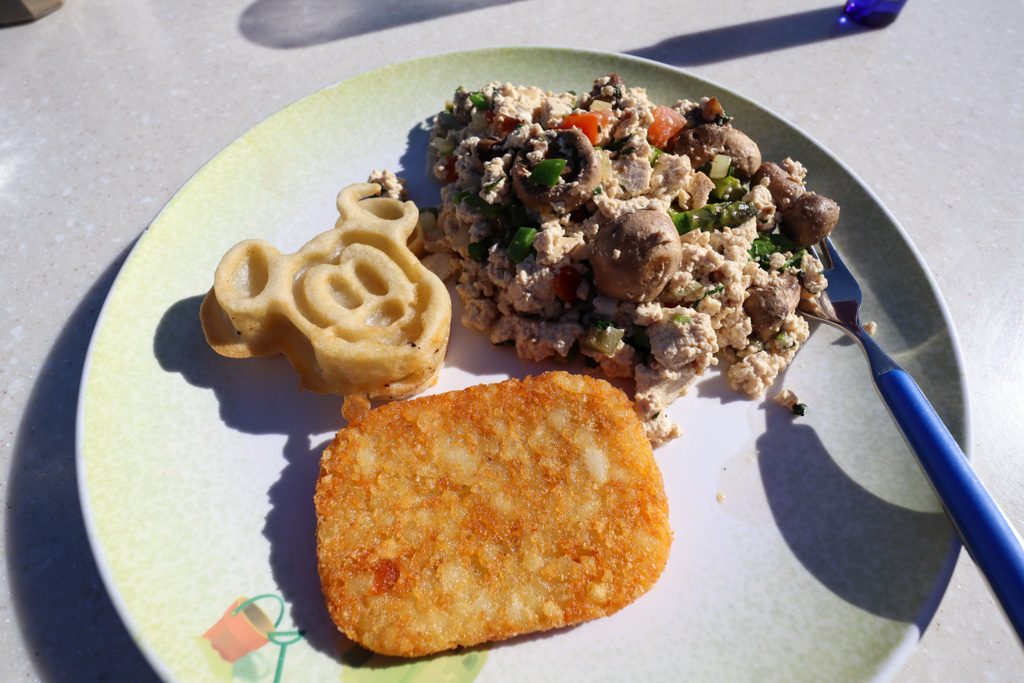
x=481, y=514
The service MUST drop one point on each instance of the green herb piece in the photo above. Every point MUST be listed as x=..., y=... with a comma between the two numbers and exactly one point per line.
x=639, y=339
x=728, y=189
x=547, y=172
x=795, y=259
x=478, y=251
x=603, y=340
x=459, y=196
x=711, y=292
x=602, y=324
x=619, y=145
x=475, y=202
x=723, y=119
x=681, y=319
x=521, y=244
x=515, y=216
x=655, y=155
x=800, y=409
x=491, y=186
x=598, y=190
x=479, y=100
x=763, y=246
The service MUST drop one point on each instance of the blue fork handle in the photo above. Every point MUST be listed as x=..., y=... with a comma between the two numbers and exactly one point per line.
x=984, y=529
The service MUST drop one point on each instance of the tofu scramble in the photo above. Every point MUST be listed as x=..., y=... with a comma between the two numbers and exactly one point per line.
x=650, y=239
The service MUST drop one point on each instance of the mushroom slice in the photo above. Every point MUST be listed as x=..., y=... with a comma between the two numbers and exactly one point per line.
x=783, y=188
x=769, y=305
x=702, y=143
x=635, y=255
x=582, y=174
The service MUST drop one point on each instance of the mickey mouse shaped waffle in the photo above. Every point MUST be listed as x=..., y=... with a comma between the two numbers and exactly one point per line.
x=353, y=310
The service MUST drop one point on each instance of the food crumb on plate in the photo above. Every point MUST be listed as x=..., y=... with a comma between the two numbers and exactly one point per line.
x=789, y=400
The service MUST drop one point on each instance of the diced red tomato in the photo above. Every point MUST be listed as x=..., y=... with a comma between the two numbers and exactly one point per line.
x=565, y=283
x=667, y=122
x=450, y=176
x=503, y=125
x=591, y=123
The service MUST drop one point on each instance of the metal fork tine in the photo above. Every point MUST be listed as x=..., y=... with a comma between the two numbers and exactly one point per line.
x=832, y=258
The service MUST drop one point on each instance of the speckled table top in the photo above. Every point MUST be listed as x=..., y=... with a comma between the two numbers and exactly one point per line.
x=107, y=107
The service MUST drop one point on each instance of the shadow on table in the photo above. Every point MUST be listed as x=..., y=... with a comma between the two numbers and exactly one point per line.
x=286, y=24
x=884, y=558
x=71, y=629
x=751, y=38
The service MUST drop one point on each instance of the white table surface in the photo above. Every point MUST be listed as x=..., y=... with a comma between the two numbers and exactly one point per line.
x=108, y=106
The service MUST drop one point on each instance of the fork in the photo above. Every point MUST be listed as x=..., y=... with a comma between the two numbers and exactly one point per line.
x=982, y=526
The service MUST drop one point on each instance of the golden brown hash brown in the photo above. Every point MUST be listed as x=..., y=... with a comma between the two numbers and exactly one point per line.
x=481, y=514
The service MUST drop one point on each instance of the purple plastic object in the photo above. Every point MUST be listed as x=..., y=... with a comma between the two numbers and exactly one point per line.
x=874, y=13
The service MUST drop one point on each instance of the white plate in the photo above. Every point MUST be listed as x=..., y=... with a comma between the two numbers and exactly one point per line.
x=808, y=549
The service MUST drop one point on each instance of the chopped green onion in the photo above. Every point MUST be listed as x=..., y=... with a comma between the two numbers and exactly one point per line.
x=655, y=155
x=548, y=172
x=681, y=320
x=720, y=166
x=459, y=196
x=800, y=409
x=728, y=189
x=522, y=242
x=602, y=324
x=603, y=340
x=478, y=250
x=598, y=190
x=783, y=340
x=479, y=100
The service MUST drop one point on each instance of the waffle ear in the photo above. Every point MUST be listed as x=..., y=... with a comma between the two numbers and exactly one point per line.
x=353, y=310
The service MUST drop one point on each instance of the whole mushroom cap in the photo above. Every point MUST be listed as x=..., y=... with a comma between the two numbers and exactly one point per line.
x=635, y=255
x=702, y=143
x=809, y=218
x=768, y=306
x=783, y=189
